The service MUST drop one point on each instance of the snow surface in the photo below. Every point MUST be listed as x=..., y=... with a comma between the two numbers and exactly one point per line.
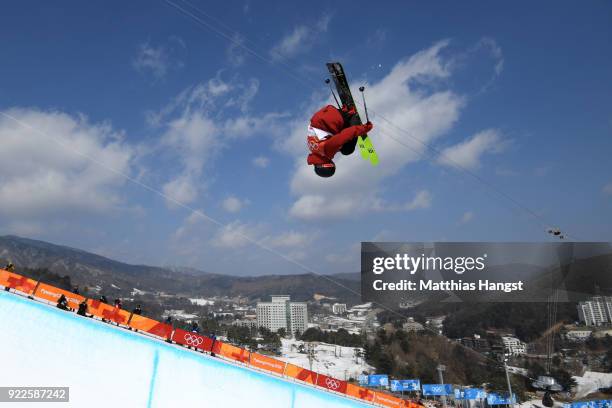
x=202, y=302
x=136, y=291
x=336, y=361
x=590, y=382
x=106, y=366
x=537, y=403
x=179, y=314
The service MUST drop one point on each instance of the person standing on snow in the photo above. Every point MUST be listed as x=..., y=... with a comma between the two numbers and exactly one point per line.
x=62, y=303
x=332, y=130
x=82, y=308
x=137, y=310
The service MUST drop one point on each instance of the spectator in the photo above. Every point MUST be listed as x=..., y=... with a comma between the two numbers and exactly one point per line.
x=118, y=303
x=103, y=300
x=137, y=310
x=10, y=267
x=82, y=308
x=75, y=290
x=62, y=303
x=168, y=320
x=214, y=340
x=195, y=328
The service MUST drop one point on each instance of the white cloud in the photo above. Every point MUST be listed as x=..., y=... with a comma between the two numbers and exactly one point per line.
x=239, y=234
x=183, y=189
x=466, y=217
x=607, y=189
x=246, y=95
x=261, y=162
x=43, y=173
x=300, y=40
x=235, y=52
x=468, y=153
x=421, y=200
x=424, y=113
x=236, y=235
x=159, y=60
x=233, y=204
x=291, y=239
x=200, y=122
x=496, y=52
x=319, y=207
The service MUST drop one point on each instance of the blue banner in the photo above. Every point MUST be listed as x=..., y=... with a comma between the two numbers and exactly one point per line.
x=438, y=389
x=459, y=394
x=378, y=380
x=363, y=379
x=474, y=394
x=590, y=404
x=496, y=399
x=405, y=385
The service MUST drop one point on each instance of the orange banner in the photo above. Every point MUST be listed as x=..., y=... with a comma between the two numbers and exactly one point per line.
x=52, y=294
x=387, y=400
x=267, y=363
x=17, y=282
x=359, y=392
x=151, y=326
x=231, y=352
x=301, y=374
x=107, y=312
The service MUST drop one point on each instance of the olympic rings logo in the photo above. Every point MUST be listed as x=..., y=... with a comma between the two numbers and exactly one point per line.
x=332, y=384
x=193, y=340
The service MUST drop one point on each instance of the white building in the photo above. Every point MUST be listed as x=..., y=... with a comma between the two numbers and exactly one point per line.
x=596, y=312
x=578, y=335
x=514, y=346
x=282, y=313
x=338, y=308
x=412, y=326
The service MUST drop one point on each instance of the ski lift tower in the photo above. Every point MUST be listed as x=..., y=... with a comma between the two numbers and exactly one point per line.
x=508, y=380
x=441, y=368
x=311, y=352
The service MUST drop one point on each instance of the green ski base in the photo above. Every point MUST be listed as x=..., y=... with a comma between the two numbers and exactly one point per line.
x=372, y=155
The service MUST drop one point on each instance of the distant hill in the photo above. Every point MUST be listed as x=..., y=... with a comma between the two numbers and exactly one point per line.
x=88, y=269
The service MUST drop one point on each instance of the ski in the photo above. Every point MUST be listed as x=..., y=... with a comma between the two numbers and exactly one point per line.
x=366, y=148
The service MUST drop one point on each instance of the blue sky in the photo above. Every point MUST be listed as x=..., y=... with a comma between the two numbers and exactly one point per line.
x=518, y=94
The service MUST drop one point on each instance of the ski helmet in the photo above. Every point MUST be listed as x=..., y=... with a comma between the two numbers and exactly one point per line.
x=325, y=170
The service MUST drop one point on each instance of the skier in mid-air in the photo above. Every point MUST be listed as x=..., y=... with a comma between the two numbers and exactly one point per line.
x=333, y=130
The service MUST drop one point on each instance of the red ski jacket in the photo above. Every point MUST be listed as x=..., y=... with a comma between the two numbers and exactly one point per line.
x=329, y=121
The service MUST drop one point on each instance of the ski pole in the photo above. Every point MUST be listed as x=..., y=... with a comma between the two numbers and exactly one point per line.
x=361, y=89
x=332, y=91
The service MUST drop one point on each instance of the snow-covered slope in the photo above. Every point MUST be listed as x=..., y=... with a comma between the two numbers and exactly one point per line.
x=591, y=381
x=105, y=366
x=336, y=361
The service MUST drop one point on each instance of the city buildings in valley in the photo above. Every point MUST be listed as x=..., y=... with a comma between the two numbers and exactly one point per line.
x=281, y=313
x=596, y=312
x=513, y=346
x=476, y=343
x=578, y=335
x=338, y=308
